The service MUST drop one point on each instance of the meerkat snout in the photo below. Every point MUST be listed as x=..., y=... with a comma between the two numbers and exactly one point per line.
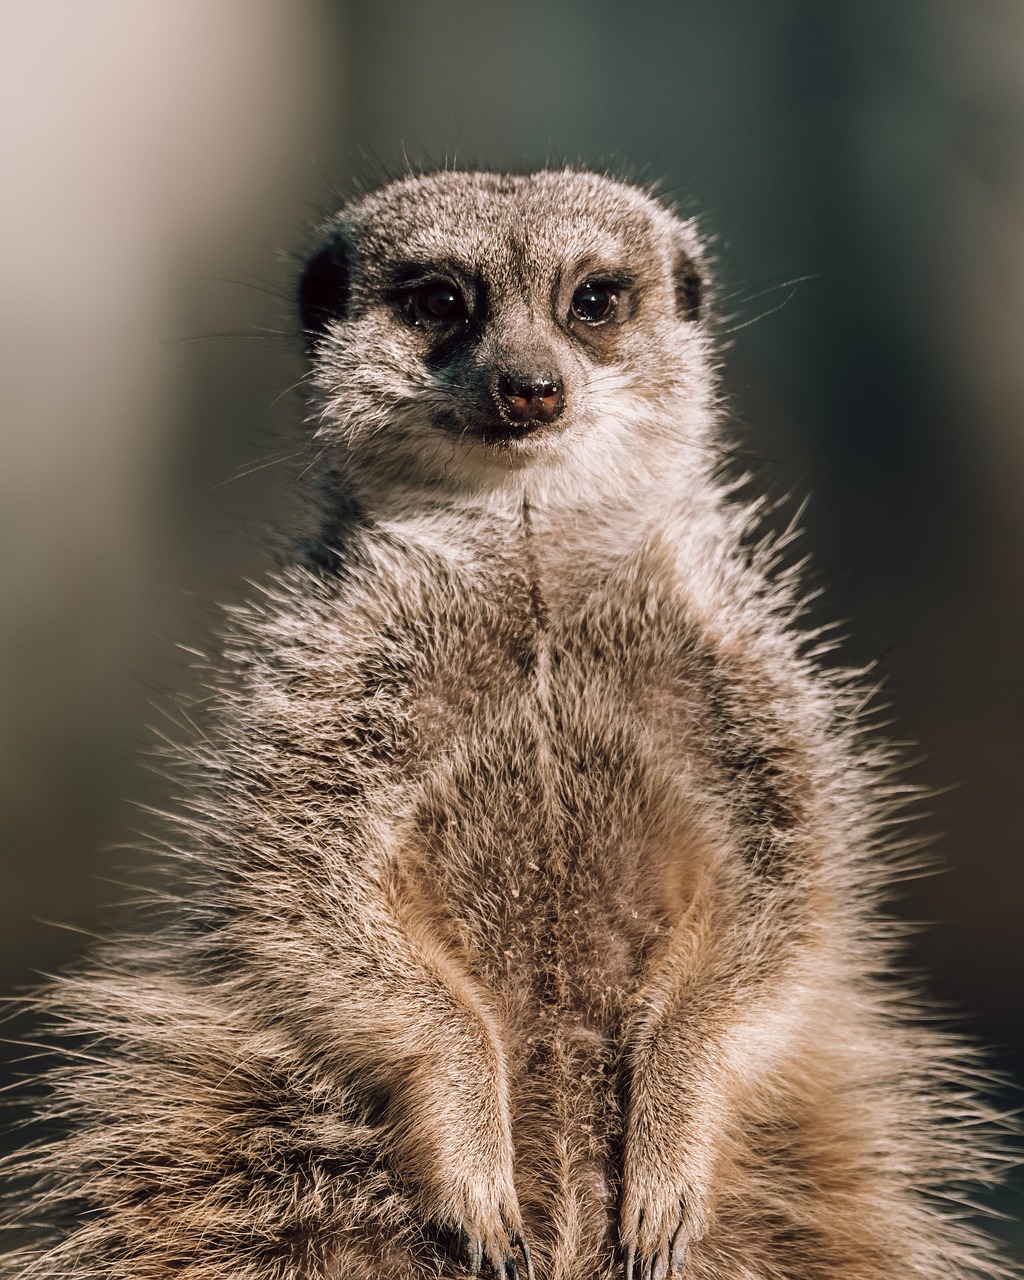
x=525, y=362
x=530, y=399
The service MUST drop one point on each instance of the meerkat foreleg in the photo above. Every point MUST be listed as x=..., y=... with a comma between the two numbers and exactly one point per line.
x=419, y=1028
x=712, y=1022
x=387, y=1002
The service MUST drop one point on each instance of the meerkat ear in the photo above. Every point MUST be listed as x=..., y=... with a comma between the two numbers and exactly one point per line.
x=323, y=289
x=689, y=285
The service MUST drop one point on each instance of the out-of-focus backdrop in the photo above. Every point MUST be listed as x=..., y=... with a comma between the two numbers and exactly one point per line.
x=160, y=161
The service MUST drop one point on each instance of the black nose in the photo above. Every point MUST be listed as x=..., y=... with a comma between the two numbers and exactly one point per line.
x=531, y=399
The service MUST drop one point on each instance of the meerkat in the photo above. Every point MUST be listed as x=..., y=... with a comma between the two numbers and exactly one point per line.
x=528, y=863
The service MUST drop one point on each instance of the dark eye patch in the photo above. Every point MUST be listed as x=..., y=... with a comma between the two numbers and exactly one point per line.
x=432, y=294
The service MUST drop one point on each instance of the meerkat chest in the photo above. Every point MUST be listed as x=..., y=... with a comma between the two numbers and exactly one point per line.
x=551, y=819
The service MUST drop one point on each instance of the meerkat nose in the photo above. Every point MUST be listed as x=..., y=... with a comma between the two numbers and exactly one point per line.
x=531, y=399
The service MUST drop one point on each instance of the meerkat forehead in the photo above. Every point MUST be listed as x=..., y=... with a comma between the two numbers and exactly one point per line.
x=534, y=221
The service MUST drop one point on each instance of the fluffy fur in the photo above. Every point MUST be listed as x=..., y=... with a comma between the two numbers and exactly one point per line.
x=531, y=859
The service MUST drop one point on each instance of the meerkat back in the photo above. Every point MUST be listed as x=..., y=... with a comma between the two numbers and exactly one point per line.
x=530, y=860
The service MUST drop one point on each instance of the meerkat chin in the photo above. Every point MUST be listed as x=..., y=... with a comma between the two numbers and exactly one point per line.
x=528, y=864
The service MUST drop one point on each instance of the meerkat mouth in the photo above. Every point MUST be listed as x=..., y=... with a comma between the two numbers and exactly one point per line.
x=503, y=433
x=498, y=435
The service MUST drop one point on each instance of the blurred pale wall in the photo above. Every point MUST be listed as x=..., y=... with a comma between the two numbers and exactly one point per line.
x=153, y=151
x=148, y=150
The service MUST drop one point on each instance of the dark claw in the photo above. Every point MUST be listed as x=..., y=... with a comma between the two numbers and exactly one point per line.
x=519, y=1242
x=680, y=1244
x=505, y=1266
x=666, y=1264
x=473, y=1248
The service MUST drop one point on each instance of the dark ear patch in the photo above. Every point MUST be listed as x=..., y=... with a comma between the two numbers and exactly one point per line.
x=323, y=289
x=689, y=286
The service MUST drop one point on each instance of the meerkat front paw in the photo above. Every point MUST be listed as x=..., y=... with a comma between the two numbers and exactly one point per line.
x=489, y=1230
x=472, y=1196
x=658, y=1252
x=664, y=1208
x=503, y=1261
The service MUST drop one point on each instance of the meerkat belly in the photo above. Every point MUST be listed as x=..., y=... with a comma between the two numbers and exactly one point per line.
x=546, y=841
x=545, y=848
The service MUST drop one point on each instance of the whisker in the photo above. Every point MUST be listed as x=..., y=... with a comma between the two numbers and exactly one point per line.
x=262, y=335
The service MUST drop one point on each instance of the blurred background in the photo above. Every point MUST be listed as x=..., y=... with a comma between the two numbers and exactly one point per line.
x=861, y=168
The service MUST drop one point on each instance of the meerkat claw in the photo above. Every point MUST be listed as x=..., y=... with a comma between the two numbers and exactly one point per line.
x=473, y=1251
x=677, y=1253
x=628, y=1258
x=519, y=1241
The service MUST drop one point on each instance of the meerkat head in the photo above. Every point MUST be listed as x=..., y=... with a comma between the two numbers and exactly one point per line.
x=471, y=331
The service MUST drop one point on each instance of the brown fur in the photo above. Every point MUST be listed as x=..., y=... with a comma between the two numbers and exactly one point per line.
x=532, y=859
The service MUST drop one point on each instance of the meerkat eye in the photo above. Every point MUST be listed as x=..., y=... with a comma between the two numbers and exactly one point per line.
x=593, y=302
x=440, y=301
